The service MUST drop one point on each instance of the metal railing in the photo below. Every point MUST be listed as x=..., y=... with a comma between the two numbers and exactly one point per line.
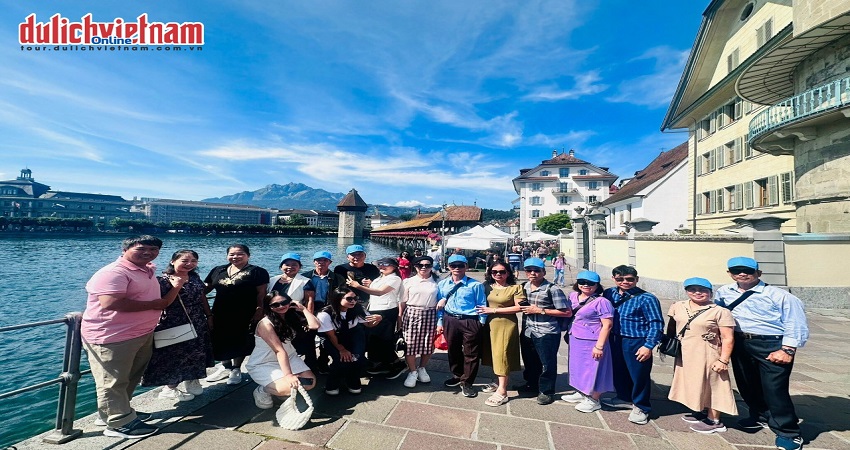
x=68, y=379
x=834, y=94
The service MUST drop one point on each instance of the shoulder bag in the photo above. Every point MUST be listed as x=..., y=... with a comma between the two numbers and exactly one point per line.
x=175, y=335
x=671, y=344
x=288, y=416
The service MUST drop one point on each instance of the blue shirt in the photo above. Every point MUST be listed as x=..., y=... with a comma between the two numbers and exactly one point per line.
x=469, y=295
x=770, y=311
x=639, y=316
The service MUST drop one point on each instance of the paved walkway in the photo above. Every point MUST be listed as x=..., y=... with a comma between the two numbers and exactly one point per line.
x=389, y=416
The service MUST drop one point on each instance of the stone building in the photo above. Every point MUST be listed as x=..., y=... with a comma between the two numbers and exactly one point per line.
x=729, y=177
x=352, y=213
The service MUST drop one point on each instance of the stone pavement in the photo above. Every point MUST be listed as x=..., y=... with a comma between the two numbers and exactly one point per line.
x=389, y=416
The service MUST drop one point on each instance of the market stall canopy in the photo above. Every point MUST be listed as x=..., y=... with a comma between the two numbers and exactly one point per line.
x=535, y=236
x=477, y=238
x=498, y=232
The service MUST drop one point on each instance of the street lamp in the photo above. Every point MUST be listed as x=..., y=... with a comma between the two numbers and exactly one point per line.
x=443, y=214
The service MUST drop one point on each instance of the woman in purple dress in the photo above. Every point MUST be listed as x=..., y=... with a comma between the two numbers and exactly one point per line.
x=591, y=371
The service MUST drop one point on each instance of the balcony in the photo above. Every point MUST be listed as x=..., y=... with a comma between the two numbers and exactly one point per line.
x=775, y=129
x=559, y=191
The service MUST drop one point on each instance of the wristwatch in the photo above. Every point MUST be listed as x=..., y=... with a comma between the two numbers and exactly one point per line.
x=789, y=351
x=542, y=311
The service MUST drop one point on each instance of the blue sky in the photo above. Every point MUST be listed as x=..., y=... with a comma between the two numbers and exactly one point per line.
x=409, y=102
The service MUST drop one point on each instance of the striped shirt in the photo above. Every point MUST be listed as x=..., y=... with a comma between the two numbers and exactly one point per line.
x=637, y=314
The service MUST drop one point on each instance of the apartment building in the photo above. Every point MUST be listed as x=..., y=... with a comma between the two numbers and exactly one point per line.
x=559, y=185
x=728, y=177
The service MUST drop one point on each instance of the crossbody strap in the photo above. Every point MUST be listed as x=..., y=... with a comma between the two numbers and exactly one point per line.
x=740, y=299
x=682, y=333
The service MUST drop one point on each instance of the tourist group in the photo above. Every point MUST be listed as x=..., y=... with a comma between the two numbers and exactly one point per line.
x=140, y=327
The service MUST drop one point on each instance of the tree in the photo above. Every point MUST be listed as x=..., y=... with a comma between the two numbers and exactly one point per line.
x=296, y=219
x=553, y=223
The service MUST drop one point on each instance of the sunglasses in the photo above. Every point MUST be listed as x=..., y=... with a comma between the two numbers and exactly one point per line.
x=695, y=290
x=626, y=279
x=499, y=272
x=280, y=304
x=585, y=283
x=423, y=266
x=351, y=298
x=457, y=266
x=533, y=269
x=740, y=270
x=385, y=265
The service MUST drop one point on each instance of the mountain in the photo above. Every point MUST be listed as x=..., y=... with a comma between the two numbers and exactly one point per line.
x=287, y=196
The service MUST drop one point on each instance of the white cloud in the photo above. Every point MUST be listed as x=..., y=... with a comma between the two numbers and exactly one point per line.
x=584, y=85
x=655, y=89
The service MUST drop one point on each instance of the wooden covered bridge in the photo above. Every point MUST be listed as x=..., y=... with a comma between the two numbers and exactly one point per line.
x=424, y=230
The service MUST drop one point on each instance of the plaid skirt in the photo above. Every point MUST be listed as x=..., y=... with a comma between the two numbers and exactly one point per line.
x=418, y=329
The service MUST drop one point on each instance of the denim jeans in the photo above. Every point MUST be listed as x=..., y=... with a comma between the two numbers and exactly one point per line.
x=540, y=355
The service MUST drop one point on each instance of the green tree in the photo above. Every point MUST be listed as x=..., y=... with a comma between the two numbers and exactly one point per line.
x=553, y=223
x=296, y=219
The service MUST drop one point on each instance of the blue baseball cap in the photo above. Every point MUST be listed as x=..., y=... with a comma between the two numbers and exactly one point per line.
x=323, y=254
x=534, y=262
x=743, y=261
x=589, y=276
x=458, y=258
x=290, y=255
x=697, y=281
x=354, y=249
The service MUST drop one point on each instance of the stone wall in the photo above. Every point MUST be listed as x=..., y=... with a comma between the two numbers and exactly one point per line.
x=811, y=13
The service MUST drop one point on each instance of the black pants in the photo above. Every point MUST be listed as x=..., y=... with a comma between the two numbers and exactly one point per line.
x=764, y=385
x=380, y=342
x=354, y=340
x=464, y=337
x=305, y=344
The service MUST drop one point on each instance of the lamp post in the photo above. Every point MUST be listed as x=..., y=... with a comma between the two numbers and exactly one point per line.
x=443, y=214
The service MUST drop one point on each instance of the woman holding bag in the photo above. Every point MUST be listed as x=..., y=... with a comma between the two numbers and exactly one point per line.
x=180, y=366
x=701, y=373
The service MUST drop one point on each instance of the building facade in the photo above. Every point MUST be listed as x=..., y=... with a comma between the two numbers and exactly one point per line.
x=559, y=185
x=314, y=218
x=24, y=197
x=352, y=215
x=658, y=192
x=167, y=211
x=728, y=177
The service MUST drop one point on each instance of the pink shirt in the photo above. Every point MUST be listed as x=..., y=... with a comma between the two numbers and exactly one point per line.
x=122, y=277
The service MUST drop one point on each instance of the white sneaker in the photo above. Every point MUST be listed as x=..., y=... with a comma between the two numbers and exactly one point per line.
x=219, y=374
x=235, y=377
x=170, y=393
x=411, y=379
x=575, y=397
x=638, y=416
x=192, y=386
x=423, y=375
x=588, y=405
x=263, y=399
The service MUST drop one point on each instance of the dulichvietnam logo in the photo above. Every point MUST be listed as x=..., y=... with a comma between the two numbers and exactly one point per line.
x=60, y=33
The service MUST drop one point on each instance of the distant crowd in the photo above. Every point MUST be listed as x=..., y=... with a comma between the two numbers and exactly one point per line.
x=140, y=327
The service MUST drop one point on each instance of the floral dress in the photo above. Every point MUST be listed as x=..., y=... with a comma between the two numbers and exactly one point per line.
x=233, y=308
x=186, y=360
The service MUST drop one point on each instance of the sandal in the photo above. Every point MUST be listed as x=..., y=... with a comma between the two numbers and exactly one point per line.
x=490, y=387
x=496, y=400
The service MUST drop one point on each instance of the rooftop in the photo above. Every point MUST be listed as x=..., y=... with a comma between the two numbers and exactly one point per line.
x=657, y=169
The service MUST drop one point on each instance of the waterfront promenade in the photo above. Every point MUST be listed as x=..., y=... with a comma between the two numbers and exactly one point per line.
x=389, y=416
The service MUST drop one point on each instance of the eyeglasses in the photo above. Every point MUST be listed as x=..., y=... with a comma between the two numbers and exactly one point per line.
x=533, y=269
x=351, y=298
x=423, y=266
x=626, y=279
x=280, y=304
x=457, y=266
x=585, y=283
x=499, y=272
x=740, y=270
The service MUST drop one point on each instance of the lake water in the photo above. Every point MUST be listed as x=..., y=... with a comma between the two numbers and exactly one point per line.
x=44, y=277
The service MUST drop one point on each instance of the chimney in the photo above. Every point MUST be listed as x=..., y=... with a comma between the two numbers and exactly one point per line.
x=572, y=153
x=554, y=153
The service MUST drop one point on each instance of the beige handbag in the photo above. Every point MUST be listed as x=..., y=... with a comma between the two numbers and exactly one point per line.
x=288, y=416
x=175, y=335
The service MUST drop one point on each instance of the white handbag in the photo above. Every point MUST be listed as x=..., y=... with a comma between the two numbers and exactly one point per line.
x=174, y=335
x=288, y=416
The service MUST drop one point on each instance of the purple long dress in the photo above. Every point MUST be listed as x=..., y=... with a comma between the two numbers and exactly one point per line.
x=588, y=375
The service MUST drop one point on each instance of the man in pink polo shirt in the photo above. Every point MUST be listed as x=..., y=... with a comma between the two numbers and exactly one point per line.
x=123, y=307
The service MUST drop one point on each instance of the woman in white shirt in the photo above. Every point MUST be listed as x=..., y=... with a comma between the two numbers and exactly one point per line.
x=418, y=309
x=341, y=325
x=383, y=301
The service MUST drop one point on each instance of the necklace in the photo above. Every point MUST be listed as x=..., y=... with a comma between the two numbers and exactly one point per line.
x=693, y=313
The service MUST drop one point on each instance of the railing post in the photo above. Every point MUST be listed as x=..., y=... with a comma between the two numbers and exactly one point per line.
x=64, y=430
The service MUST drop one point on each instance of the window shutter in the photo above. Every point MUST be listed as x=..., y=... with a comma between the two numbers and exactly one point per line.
x=787, y=187
x=748, y=195
x=718, y=199
x=739, y=197
x=738, y=108
x=712, y=160
x=773, y=190
x=721, y=157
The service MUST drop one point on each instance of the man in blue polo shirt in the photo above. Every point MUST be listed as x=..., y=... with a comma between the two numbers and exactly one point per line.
x=638, y=326
x=770, y=325
x=457, y=317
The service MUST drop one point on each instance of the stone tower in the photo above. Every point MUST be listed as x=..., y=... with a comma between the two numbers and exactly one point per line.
x=352, y=212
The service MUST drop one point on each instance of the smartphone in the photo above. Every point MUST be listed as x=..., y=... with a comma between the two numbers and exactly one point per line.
x=350, y=274
x=305, y=381
x=524, y=303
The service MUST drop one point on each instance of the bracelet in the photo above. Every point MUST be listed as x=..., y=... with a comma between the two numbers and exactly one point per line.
x=722, y=362
x=597, y=348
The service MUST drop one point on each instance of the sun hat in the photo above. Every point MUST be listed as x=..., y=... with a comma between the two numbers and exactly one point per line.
x=743, y=261
x=290, y=255
x=589, y=276
x=458, y=258
x=354, y=249
x=697, y=281
x=322, y=254
x=534, y=262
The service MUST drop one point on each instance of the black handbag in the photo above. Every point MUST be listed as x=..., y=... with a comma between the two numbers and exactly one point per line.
x=671, y=344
